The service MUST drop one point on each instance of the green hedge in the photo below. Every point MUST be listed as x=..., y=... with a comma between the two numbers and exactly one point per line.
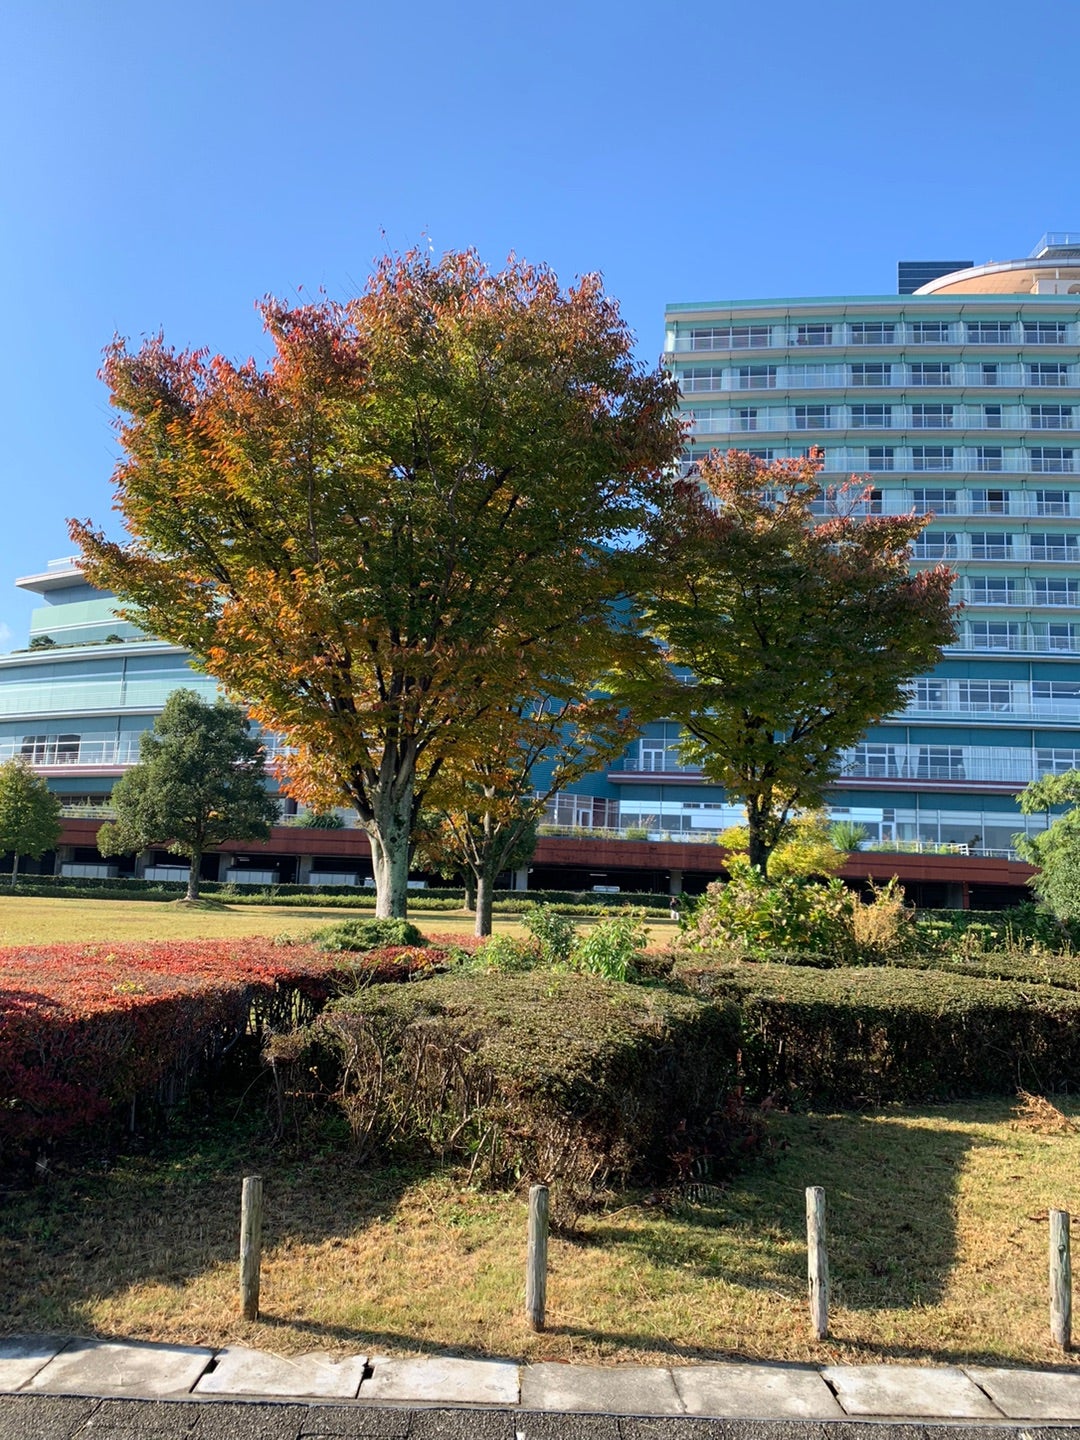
x=872, y=1035
x=546, y=1076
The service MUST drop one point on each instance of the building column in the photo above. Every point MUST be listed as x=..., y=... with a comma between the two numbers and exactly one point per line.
x=956, y=895
x=674, y=882
x=521, y=878
x=304, y=865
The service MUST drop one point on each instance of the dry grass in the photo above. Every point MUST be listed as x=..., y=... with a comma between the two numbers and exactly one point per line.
x=937, y=1224
x=28, y=920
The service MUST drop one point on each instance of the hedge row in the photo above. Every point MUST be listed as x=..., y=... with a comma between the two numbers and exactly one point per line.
x=539, y=1075
x=872, y=1035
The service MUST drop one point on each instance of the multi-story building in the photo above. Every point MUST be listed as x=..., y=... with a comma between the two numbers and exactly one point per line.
x=960, y=395
x=962, y=399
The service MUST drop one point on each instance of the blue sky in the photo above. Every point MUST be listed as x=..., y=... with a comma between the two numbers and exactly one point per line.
x=164, y=166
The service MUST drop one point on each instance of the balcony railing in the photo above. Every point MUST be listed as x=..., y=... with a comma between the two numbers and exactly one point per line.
x=890, y=375
x=723, y=339
x=87, y=753
x=843, y=417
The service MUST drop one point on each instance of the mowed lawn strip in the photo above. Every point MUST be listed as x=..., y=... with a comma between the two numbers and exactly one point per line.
x=938, y=1249
x=37, y=921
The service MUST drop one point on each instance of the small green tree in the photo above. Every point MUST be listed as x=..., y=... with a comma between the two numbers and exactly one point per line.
x=29, y=814
x=200, y=780
x=1057, y=850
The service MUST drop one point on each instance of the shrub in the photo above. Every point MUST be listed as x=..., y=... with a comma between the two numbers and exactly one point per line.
x=858, y=1036
x=613, y=948
x=554, y=933
x=758, y=916
x=553, y=1077
x=363, y=935
x=506, y=953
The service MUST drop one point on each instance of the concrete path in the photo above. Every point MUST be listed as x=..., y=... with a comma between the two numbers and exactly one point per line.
x=65, y=1387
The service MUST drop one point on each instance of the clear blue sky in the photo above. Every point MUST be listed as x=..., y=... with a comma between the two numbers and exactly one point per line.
x=165, y=165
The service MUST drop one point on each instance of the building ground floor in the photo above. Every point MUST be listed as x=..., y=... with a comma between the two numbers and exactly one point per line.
x=605, y=863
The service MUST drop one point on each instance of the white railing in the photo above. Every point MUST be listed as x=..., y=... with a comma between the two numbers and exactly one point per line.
x=722, y=339
x=891, y=375
x=842, y=417
x=57, y=751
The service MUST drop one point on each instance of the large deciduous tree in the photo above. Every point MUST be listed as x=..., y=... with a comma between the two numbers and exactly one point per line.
x=799, y=623
x=396, y=526
x=29, y=814
x=200, y=780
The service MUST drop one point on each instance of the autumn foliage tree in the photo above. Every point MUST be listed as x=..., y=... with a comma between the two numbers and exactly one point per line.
x=797, y=622
x=29, y=813
x=489, y=801
x=398, y=525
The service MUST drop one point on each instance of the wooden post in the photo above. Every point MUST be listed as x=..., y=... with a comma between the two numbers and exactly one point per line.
x=817, y=1261
x=1060, y=1280
x=536, y=1264
x=251, y=1209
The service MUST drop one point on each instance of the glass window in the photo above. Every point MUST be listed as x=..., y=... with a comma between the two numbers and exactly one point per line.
x=989, y=457
x=1051, y=417
x=701, y=378
x=1051, y=459
x=1054, y=547
x=989, y=332
x=990, y=502
x=872, y=332
x=930, y=332
x=935, y=545
x=870, y=374
x=1047, y=372
x=729, y=337
x=932, y=417
x=940, y=762
x=813, y=335
x=872, y=760
x=871, y=417
x=1059, y=636
x=988, y=695
x=930, y=373
x=932, y=457
x=942, y=502
x=756, y=377
x=930, y=695
x=989, y=374
x=1051, y=502
x=1054, y=590
x=990, y=590
x=989, y=545
x=879, y=457
x=748, y=419
x=1055, y=761
x=810, y=417
x=992, y=417
x=1045, y=332
x=1055, y=694
x=994, y=634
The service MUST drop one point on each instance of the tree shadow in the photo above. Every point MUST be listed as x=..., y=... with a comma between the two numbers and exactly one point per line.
x=890, y=1186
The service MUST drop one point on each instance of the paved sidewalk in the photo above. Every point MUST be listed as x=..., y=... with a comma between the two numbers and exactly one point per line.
x=360, y=1395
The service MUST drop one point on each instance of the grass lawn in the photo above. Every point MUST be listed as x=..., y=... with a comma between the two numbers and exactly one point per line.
x=938, y=1250
x=28, y=920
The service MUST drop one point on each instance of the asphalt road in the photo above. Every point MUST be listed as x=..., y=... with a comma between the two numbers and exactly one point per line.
x=32, y=1417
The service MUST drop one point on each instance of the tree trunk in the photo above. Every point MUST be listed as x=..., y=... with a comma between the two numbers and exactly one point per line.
x=14, y=869
x=194, y=866
x=759, y=847
x=389, y=831
x=470, y=892
x=485, y=888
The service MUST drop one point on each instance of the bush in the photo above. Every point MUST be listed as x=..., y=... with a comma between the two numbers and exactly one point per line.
x=364, y=935
x=554, y=933
x=507, y=954
x=758, y=916
x=552, y=1077
x=859, y=1036
x=613, y=948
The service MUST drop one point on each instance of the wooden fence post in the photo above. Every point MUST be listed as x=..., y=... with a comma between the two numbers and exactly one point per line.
x=251, y=1213
x=1060, y=1280
x=536, y=1264
x=817, y=1261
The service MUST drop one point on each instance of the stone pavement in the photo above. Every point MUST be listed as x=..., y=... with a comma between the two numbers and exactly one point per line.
x=64, y=1387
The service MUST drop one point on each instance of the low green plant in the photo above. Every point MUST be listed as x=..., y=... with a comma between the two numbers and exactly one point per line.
x=363, y=934
x=553, y=933
x=760, y=916
x=613, y=948
x=848, y=835
x=504, y=953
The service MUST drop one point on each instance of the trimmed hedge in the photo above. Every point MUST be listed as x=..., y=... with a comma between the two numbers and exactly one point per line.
x=545, y=1076
x=351, y=897
x=866, y=1036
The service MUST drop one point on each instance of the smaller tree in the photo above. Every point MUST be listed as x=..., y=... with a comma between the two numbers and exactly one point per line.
x=200, y=780
x=29, y=814
x=795, y=623
x=1056, y=851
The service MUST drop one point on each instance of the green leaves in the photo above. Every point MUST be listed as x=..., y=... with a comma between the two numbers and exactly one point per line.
x=29, y=813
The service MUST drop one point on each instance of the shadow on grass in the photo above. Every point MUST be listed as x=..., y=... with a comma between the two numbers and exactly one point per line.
x=890, y=1186
x=171, y=1213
